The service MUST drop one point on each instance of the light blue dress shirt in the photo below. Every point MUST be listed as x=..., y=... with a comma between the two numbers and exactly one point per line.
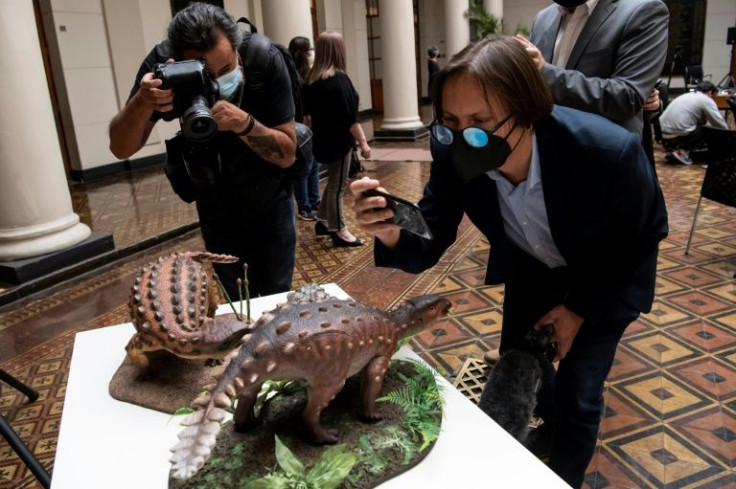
x=525, y=215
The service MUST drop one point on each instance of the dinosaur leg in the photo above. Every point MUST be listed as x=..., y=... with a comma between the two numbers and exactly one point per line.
x=137, y=352
x=244, y=417
x=371, y=385
x=319, y=397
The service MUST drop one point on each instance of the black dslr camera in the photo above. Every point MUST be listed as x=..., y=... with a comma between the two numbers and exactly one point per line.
x=194, y=93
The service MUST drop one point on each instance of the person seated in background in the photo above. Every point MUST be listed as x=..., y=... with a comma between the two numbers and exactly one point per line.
x=433, y=65
x=684, y=116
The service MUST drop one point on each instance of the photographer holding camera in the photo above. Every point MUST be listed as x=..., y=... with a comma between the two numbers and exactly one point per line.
x=236, y=140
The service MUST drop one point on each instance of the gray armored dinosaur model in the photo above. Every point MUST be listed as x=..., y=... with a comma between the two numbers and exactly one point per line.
x=322, y=343
x=173, y=304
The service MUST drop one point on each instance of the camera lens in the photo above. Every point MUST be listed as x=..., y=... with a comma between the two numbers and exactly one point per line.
x=197, y=123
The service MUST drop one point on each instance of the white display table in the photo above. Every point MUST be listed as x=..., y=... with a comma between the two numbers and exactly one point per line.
x=107, y=443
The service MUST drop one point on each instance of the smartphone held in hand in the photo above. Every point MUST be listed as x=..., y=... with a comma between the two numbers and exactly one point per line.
x=406, y=214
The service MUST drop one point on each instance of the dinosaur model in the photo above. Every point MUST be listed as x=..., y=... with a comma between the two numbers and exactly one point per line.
x=173, y=305
x=322, y=343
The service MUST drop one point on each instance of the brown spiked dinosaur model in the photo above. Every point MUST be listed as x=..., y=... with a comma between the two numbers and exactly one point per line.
x=322, y=343
x=173, y=304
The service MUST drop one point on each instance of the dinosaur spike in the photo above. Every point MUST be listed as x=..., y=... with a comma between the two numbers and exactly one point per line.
x=261, y=347
x=350, y=345
x=302, y=334
x=137, y=287
x=183, y=341
x=322, y=309
x=174, y=289
x=283, y=327
x=304, y=314
x=196, y=340
x=359, y=319
x=172, y=337
x=152, y=294
x=216, y=415
x=246, y=364
x=270, y=366
x=289, y=348
x=352, y=304
x=137, y=298
x=337, y=305
x=221, y=400
x=201, y=401
x=252, y=379
x=239, y=383
x=146, y=326
x=142, y=310
x=246, y=339
x=230, y=390
x=324, y=324
x=345, y=321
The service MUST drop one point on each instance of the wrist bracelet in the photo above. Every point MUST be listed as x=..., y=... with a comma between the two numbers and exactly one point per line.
x=248, y=127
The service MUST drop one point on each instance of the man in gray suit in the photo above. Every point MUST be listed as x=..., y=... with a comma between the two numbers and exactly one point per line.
x=602, y=56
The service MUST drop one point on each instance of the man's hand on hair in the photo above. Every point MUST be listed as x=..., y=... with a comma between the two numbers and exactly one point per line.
x=532, y=50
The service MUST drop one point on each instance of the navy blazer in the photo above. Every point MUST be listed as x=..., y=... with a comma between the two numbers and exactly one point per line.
x=605, y=208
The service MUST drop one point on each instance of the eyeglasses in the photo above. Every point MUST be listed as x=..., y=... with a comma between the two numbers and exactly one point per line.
x=475, y=136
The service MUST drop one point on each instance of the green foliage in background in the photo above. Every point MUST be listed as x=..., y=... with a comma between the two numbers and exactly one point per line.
x=484, y=23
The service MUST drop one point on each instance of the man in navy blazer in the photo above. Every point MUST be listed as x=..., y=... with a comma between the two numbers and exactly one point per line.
x=572, y=210
x=615, y=61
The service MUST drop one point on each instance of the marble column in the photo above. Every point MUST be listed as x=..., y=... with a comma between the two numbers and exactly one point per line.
x=36, y=216
x=285, y=19
x=400, y=97
x=494, y=7
x=457, y=26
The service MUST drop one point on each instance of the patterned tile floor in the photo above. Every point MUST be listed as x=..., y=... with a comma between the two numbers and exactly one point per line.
x=670, y=420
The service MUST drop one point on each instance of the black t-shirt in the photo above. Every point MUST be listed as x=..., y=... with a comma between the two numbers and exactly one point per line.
x=333, y=105
x=258, y=181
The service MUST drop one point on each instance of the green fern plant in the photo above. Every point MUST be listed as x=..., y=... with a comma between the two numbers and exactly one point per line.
x=329, y=471
x=422, y=401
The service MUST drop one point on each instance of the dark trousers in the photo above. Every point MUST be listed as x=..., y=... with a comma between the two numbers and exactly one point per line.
x=570, y=399
x=306, y=188
x=265, y=239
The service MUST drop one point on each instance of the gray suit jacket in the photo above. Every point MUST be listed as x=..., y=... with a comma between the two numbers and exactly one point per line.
x=615, y=62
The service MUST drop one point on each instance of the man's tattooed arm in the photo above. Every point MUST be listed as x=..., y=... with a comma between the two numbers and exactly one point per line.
x=276, y=145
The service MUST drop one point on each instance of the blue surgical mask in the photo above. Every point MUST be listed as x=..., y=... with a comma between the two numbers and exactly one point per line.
x=230, y=82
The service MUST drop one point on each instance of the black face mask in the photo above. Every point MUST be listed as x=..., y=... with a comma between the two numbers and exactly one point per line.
x=571, y=4
x=474, y=151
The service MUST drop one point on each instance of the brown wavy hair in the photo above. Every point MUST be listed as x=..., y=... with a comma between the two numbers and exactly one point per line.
x=500, y=65
x=329, y=56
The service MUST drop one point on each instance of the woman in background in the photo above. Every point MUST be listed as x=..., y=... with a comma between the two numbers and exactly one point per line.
x=306, y=188
x=331, y=108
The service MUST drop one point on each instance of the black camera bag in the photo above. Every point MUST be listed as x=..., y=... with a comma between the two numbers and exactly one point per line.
x=176, y=170
x=255, y=63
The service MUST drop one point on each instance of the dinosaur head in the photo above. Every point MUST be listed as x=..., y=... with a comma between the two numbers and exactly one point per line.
x=420, y=312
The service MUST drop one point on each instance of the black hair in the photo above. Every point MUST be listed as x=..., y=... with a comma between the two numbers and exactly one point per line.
x=500, y=65
x=299, y=49
x=433, y=51
x=705, y=86
x=198, y=26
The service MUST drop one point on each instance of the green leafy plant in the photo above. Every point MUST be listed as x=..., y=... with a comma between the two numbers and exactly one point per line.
x=329, y=471
x=484, y=23
x=422, y=401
